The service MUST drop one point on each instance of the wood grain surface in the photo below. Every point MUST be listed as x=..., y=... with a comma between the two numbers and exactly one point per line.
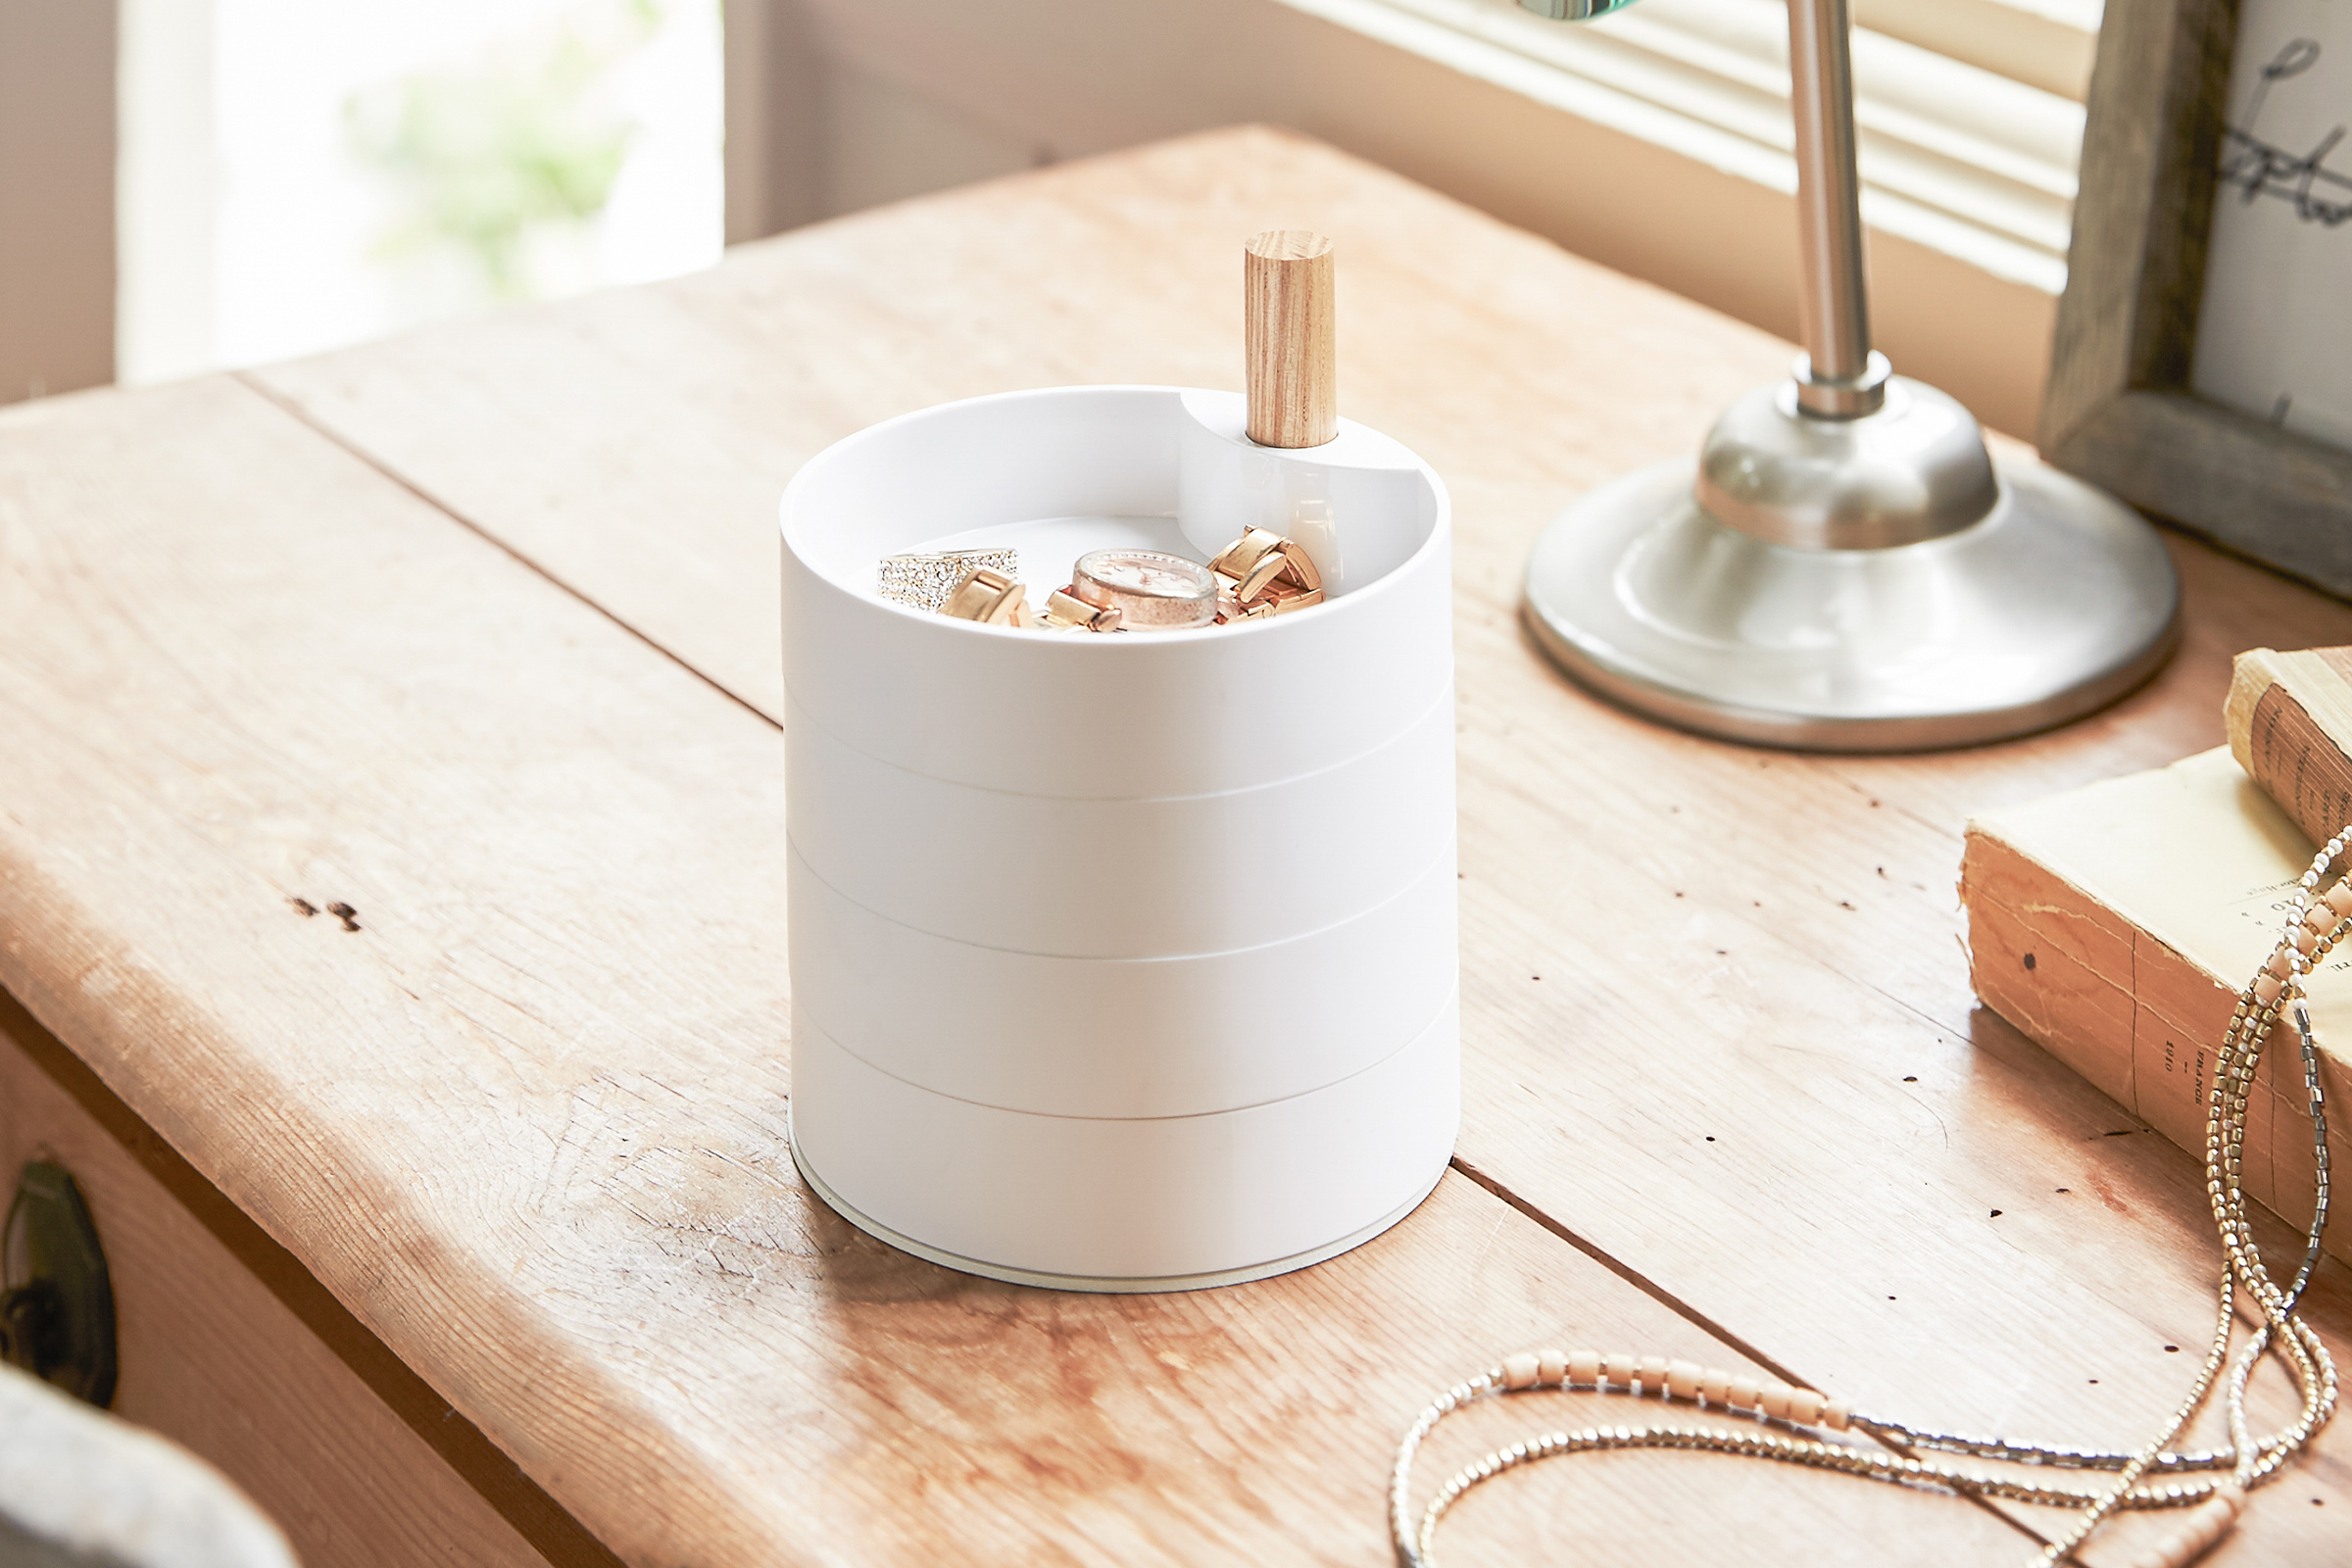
x=527, y=1120
x=1724, y=1082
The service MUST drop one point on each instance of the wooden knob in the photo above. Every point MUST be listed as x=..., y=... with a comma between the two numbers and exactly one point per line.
x=1287, y=285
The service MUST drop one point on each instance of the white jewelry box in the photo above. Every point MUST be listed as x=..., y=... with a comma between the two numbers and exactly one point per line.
x=1120, y=961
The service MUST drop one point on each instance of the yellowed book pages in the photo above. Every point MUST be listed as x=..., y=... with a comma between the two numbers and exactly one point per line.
x=2116, y=923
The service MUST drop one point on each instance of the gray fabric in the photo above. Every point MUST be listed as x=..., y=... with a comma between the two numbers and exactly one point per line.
x=79, y=1489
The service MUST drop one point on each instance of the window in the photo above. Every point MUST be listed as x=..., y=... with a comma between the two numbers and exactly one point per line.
x=1969, y=112
x=294, y=177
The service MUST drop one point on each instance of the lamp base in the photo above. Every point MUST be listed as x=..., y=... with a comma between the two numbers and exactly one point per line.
x=2058, y=601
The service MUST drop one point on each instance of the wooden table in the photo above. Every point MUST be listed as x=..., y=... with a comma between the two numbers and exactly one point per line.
x=474, y=631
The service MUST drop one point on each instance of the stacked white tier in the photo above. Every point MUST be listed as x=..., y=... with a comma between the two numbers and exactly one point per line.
x=1120, y=961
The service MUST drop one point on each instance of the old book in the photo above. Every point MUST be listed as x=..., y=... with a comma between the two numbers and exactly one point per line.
x=2115, y=923
x=2289, y=718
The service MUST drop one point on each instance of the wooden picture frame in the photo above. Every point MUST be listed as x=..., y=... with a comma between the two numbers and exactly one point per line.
x=2116, y=409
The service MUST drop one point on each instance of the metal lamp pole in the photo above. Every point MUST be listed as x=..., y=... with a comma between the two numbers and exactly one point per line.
x=1849, y=567
x=1834, y=309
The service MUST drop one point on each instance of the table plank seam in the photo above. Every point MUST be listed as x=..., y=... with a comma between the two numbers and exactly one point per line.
x=1626, y=1272
x=1494, y=1187
x=1706, y=1324
x=302, y=415
x=1478, y=1177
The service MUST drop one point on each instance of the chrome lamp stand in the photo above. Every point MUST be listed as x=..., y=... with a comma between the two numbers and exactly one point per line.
x=1849, y=568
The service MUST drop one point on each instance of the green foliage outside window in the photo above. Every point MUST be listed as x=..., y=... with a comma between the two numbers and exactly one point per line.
x=520, y=144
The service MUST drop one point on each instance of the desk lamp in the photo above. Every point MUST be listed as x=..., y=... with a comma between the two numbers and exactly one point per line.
x=1851, y=568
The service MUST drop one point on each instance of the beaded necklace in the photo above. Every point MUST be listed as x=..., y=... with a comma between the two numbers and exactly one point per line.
x=2211, y=1485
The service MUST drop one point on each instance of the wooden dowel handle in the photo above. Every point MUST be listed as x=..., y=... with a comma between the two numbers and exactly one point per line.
x=1287, y=285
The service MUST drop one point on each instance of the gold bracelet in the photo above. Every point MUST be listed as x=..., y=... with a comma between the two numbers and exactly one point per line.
x=1262, y=573
x=990, y=598
x=1066, y=612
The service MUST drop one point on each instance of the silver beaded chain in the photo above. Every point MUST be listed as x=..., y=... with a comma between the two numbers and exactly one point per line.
x=2140, y=1479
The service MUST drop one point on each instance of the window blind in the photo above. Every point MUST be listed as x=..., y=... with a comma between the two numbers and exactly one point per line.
x=1967, y=113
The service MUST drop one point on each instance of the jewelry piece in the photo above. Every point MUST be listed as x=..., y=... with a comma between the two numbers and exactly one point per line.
x=924, y=581
x=1150, y=589
x=1065, y=612
x=2312, y=930
x=1262, y=573
x=990, y=598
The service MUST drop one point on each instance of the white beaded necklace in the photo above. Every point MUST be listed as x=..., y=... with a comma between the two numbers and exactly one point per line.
x=2214, y=1482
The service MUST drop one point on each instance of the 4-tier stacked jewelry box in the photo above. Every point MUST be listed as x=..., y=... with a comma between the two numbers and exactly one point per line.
x=1120, y=961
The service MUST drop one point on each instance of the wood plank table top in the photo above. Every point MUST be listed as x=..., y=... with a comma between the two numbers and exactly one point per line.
x=476, y=630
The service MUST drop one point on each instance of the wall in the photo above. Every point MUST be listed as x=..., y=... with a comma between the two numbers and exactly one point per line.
x=57, y=196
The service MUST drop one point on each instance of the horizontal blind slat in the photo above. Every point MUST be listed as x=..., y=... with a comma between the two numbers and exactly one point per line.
x=1954, y=151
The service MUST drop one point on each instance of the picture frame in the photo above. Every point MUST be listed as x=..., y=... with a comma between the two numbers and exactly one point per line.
x=2118, y=408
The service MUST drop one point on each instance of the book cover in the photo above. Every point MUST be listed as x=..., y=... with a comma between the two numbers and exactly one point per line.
x=2114, y=924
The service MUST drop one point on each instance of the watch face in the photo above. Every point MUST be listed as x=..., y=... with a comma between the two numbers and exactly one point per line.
x=1147, y=587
